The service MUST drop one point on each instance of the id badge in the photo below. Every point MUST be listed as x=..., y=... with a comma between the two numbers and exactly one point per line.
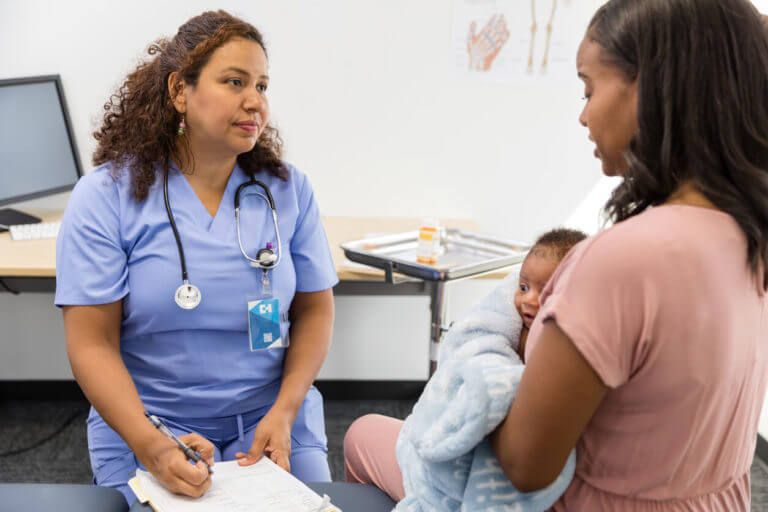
x=264, y=329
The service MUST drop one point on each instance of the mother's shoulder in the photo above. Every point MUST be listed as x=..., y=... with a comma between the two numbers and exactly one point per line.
x=647, y=240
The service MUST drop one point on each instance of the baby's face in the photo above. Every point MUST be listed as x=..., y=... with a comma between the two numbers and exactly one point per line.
x=537, y=268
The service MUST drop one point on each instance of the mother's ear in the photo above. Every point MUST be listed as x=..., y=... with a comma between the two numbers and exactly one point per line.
x=177, y=92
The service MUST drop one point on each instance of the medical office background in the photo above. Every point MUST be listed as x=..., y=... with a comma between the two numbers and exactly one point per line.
x=368, y=99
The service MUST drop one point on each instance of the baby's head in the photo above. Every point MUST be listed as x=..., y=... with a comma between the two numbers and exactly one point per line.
x=542, y=260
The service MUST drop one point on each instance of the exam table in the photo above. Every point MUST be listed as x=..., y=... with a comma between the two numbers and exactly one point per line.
x=61, y=498
x=85, y=498
x=348, y=497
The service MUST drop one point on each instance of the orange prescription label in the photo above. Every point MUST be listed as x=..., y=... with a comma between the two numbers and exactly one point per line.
x=428, y=246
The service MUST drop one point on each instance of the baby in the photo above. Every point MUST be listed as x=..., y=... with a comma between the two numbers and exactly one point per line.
x=542, y=260
x=445, y=459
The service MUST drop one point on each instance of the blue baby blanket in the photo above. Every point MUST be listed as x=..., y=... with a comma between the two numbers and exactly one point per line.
x=444, y=456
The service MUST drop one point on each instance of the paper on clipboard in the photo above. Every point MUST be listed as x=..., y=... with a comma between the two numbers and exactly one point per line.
x=235, y=488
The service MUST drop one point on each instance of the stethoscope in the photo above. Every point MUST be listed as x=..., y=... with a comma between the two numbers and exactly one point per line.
x=188, y=295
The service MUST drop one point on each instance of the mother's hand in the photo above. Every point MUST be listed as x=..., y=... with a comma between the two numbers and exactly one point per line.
x=272, y=438
x=170, y=466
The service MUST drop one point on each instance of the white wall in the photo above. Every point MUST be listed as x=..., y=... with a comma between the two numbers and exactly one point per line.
x=365, y=98
x=364, y=95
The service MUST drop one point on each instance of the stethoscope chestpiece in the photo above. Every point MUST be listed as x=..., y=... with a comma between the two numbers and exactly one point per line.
x=187, y=296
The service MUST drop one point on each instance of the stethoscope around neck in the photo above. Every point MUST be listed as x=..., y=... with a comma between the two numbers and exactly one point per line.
x=188, y=295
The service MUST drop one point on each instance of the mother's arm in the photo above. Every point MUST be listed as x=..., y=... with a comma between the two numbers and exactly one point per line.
x=557, y=396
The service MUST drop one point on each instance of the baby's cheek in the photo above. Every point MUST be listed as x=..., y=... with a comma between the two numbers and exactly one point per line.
x=518, y=304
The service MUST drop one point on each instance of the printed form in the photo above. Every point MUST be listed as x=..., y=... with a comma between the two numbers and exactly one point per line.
x=238, y=489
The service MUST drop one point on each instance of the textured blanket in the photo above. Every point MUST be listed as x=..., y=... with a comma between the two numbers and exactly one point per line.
x=442, y=450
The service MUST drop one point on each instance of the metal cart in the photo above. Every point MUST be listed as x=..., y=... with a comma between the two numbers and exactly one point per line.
x=463, y=254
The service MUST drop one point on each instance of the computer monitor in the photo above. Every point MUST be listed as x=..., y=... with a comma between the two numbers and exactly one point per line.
x=38, y=155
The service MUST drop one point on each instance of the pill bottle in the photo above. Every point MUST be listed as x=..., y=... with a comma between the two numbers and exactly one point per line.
x=428, y=246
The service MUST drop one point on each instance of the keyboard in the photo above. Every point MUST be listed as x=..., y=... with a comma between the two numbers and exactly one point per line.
x=35, y=231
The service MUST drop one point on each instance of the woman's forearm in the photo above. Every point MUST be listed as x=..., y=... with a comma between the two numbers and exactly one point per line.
x=310, y=340
x=557, y=396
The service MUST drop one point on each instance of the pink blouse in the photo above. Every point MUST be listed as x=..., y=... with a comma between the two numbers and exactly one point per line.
x=665, y=309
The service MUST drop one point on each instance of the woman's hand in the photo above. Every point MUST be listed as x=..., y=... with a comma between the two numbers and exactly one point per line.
x=170, y=466
x=311, y=326
x=272, y=438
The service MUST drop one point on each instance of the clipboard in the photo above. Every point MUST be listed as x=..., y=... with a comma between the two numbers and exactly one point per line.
x=261, y=486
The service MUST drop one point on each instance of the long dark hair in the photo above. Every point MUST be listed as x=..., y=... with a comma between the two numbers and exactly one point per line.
x=702, y=74
x=139, y=129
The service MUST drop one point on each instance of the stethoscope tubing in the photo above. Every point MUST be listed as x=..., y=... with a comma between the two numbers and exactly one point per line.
x=279, y=252
x=254, y=262
x=169, y=211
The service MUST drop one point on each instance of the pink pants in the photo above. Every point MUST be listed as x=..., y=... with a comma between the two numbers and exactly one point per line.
x=369, y=454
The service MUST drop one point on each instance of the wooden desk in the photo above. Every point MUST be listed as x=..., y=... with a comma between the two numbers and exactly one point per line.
x=37, y=258
x=29, y=258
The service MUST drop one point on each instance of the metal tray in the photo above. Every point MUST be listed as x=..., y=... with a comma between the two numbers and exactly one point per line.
x=463, y=254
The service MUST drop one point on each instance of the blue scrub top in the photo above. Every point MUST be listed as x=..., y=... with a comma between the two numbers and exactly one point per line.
x=190, y=363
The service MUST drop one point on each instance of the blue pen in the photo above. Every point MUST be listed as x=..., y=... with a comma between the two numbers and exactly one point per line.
x=189, y=452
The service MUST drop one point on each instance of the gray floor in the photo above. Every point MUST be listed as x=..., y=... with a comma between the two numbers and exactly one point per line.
x=64, y=458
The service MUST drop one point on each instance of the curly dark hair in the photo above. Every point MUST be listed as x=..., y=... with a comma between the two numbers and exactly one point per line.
x=139, y=130
x=702, y=74
x=558, y=241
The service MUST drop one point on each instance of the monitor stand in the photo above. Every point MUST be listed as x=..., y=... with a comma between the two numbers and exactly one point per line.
x=10, y=217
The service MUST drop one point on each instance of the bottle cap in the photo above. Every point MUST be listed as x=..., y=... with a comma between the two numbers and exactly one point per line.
x=430, y=222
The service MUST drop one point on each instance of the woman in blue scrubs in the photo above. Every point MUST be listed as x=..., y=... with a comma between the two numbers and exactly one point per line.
x=226, y=353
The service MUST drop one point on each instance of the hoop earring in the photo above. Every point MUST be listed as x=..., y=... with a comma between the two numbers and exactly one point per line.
x=182, y=125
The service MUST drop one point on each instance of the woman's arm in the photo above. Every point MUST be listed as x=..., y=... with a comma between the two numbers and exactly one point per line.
x=311, y=326
x=557, y=396
x=93, y=346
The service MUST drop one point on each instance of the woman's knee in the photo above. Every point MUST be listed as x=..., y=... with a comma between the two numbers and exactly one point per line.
x=359, y=431
x=369, y=453
x=115, y=473
x=310, y=465
x=112, y=461
x=372, y=436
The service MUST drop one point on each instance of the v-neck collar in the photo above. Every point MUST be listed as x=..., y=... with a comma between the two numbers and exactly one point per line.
x=225, y=215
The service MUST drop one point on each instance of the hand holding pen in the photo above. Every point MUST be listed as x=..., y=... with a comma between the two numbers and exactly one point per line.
x=169, y=462
x=189, y=452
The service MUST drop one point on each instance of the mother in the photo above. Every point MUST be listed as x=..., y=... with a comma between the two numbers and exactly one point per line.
x=649, y=352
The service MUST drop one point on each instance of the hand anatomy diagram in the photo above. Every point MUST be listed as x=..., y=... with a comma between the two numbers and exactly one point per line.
x=501, y=42
x=483, y=47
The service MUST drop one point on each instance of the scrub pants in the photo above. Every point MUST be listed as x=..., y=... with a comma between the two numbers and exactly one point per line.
x=113, y=463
